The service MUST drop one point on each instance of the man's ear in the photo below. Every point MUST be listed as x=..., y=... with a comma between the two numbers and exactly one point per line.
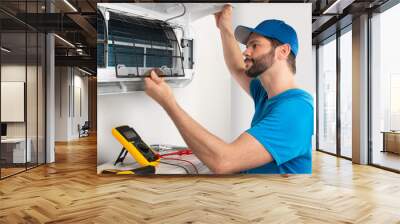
x=283, y=51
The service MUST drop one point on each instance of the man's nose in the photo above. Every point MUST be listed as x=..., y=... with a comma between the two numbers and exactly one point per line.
x=246, y=53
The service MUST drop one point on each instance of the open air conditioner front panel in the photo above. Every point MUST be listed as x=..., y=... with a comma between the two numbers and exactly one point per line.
x=131, y=45
x=137, y=44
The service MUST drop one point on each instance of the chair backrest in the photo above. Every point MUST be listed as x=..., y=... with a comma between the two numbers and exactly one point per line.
x=85, y=125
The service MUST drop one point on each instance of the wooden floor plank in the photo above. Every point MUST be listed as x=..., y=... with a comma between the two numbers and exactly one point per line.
x=70, y=191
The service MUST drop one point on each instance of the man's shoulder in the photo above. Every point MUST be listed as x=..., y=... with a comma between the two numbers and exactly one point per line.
x=298, y=97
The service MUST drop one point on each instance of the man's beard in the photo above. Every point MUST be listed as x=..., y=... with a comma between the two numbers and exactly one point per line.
x=260, y=64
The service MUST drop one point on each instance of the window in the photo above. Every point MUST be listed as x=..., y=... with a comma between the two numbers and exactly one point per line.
x=346, y=75
x=385, y=89
x=394, y=102
x=327, y=96
x=22, y=73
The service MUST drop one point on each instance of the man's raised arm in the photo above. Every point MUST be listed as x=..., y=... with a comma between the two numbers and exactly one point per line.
x=232, y=53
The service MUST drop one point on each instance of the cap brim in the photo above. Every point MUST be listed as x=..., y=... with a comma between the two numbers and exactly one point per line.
x=242, y=33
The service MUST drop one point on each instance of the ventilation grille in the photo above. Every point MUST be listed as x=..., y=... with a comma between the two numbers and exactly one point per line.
x=136, y=45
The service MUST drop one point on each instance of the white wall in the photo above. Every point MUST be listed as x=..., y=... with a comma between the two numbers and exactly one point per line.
x=14, y=72
x=80, y=103
x=17, y=73
x=33, y=127
x=68, y=81
x=61, y=103
x=212, y=98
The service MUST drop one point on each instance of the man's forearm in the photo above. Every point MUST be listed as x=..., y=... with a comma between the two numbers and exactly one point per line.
x=234, y=60
x=206, y=146
x=232, y=53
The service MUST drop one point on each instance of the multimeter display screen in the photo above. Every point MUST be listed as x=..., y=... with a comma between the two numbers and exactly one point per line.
x=130, y=134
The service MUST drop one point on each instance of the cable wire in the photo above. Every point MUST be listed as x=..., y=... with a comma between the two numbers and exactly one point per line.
x=195, y=168
x=184, y=12
x=186, y=170
x=179, y=152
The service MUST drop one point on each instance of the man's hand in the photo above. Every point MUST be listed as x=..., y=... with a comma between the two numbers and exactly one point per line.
x=223, y=19
x=157, y=89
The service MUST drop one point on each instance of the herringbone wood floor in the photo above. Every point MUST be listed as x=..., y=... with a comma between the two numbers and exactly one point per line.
x=69, y=191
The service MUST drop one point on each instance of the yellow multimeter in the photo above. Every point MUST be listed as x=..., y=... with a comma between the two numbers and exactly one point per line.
x=133, y=144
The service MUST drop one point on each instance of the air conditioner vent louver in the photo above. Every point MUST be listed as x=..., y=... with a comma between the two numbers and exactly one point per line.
x=143, y=31
x=137, y=44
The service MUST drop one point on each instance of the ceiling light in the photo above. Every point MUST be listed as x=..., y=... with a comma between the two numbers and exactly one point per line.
x=337, y=7
x=64, y=40
x=5, y=50
x=86, y=72
x=70, y=5
x=331, y=7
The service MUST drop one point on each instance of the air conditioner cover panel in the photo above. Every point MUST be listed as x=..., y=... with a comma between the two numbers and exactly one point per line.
x=138, y=37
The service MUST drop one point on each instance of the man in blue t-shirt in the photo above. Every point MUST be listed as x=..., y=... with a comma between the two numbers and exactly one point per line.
x=279, y=140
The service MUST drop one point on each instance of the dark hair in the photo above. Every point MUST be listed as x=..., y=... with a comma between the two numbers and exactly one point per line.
x=291, y=60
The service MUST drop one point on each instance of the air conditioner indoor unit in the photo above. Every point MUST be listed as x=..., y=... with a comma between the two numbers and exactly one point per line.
x=136, y=37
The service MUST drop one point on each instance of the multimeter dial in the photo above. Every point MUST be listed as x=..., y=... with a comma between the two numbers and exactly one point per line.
x=145, y=150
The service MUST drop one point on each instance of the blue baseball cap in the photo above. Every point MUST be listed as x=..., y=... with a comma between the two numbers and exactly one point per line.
x=272, y=28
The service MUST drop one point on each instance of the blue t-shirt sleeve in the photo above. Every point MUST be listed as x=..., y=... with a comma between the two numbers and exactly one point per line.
x=286, y=132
